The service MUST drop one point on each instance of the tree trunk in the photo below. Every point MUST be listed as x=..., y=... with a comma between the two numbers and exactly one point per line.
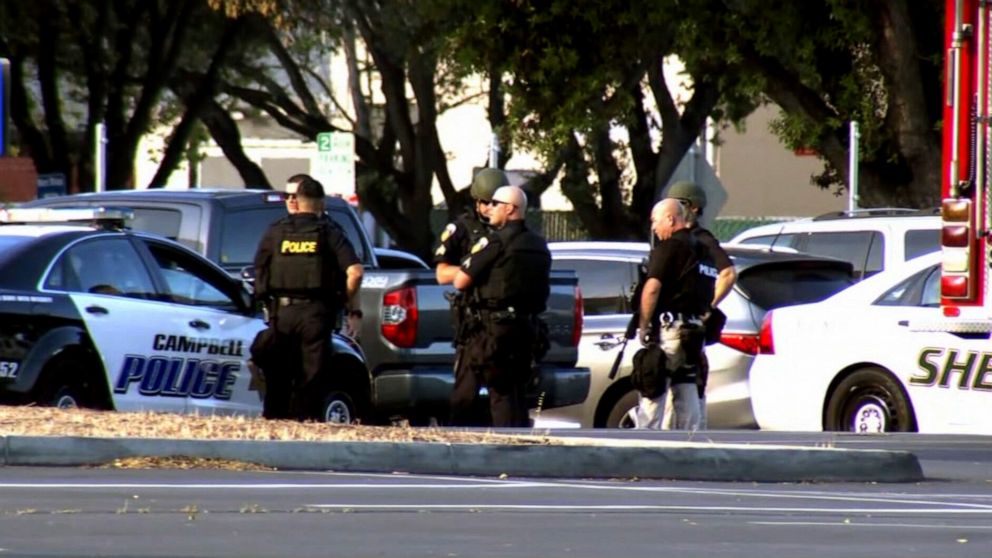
x=225, y=132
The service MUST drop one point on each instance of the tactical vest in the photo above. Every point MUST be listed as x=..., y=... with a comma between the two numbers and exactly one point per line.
x=475, y=228
x=519, y=277
x=299, y=264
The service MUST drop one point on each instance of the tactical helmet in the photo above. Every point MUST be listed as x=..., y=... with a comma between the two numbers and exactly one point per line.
x=486, y=182
x=685, y=190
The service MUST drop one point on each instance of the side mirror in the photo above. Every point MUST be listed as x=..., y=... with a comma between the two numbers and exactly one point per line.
x=248, y=274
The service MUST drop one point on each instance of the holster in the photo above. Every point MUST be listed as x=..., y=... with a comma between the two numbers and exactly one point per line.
x=692, y=337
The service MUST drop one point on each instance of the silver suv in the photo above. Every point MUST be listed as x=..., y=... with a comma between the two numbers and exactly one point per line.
x=872, y=239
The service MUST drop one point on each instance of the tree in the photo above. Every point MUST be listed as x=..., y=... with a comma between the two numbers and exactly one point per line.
x=582, y=74
x=78, y=63
x=397, y=145
x=828, y=62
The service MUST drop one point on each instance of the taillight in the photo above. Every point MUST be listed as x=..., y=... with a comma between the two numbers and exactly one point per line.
x=743, y=342
x=399, y=317
x=958, y=273
x=766, y=342
x=577, y=318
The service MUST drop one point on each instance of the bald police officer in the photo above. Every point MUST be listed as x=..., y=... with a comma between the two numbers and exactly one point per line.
x=455, y=242
x=506, y=277
x=693, y=197
x=677, y=292
x=299, y=266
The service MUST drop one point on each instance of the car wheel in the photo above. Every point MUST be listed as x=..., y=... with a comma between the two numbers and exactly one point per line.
x=620, y=414
x=337, y=408
x=67, y=397
x=870, y=401
x=71, y=382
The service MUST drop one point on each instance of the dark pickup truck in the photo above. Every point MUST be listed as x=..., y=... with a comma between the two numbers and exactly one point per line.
x=406, y=335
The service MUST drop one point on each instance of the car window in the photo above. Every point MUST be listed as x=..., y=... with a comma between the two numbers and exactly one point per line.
x=350, y=227
x=920, y=289
x=241, y=231
x=919, y=242
x=605, y=285
x=163, y=222
x=102, y=266
x=190, y=282
x=788, y=283
x=864, y=249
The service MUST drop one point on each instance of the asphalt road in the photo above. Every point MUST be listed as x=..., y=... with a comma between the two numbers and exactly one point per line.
x=107, y=512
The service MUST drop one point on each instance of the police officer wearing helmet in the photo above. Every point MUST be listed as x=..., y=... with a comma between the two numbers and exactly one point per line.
x=676, y=294
x=300, y=265
x=455, y=242
x=693, y=197
x=507, y=278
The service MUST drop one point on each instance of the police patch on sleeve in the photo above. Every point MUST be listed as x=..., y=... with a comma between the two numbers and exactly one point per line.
x=480, y=245
x=447, y=232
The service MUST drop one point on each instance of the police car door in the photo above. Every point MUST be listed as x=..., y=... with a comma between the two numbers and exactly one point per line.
x=116, y=299
x=212, y=304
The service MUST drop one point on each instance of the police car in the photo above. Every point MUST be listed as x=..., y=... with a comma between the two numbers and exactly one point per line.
x=865, y=360
x=94, y=315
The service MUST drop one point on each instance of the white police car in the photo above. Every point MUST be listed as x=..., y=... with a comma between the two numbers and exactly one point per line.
x=864, y=361
x=94, y=315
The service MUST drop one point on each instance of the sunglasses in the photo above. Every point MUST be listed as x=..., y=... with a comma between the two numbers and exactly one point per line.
x=494, y=203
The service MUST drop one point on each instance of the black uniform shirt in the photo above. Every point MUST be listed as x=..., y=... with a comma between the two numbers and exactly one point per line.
x=511, y=267
x=335, y=240
x=721, y=260
x=686, y=273
x=458, y=237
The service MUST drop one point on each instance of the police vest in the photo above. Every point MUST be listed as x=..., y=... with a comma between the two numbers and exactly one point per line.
x=696, y=282
x=302, y=263
x=520, y=275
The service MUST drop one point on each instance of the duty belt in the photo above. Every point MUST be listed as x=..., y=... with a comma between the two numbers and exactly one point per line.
x=291, y=300
x=669, y=317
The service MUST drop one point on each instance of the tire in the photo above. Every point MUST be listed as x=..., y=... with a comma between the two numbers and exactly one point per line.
x=619, y=416
x=72, y=382
x=337, y=407
x=869, y=401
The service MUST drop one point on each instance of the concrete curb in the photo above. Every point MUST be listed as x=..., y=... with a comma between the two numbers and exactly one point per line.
x=573, y=459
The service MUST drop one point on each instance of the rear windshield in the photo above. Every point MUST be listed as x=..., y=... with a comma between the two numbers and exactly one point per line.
x=784, y=284
x=242, y=230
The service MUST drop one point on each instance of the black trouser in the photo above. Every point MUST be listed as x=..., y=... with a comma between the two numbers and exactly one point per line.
x=500, y=355
x=467, y=408
x=304, y=330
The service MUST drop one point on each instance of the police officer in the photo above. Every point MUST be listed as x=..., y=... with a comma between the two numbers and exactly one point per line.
x=455, y=242
x=300, y=261
x=694, y=198
x=507, y=278
x=677, y=292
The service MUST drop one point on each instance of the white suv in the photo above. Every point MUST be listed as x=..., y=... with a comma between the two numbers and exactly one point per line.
x=872, y=239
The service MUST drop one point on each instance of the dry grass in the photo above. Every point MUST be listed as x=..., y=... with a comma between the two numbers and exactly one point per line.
x=41, y=421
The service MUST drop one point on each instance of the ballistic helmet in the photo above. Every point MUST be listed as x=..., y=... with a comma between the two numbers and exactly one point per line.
x=486, y=182
x=685, y=190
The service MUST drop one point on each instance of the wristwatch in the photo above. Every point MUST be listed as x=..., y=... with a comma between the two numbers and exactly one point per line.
x=355, y=314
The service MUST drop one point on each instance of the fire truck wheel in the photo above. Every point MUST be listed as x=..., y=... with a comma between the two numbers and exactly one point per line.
x=868, y=401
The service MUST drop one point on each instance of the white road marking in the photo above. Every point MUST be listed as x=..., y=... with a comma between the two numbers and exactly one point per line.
x=648, y=507
x=253, y=486
x=851, y=524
